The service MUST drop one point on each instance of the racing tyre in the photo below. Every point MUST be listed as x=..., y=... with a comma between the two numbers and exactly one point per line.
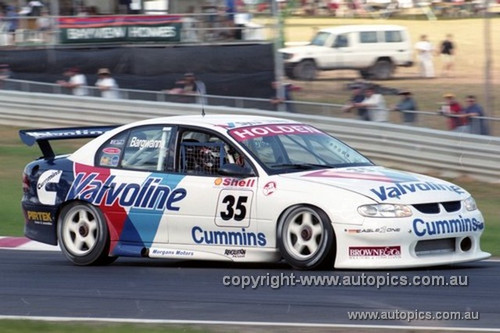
x=305, y=70
x=306, y=239
x=382, y=70
x=83, y=235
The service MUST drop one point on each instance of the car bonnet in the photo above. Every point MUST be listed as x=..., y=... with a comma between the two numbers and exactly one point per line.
x=385, y=185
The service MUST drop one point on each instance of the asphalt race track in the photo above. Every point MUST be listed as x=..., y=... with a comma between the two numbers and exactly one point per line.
x=45, y=284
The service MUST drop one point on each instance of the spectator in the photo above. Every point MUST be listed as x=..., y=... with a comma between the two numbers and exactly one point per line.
x=473, y=114
x=77, y=82
x=106, y=84
x=288, y=88
x=375, y=103
x=447, y=52
x=357, y=97
x=190, y=86
x=407, y=103
x=424, y=56
x=35, y=8
x=44, y=25
x=452, y=109
x=12, y=19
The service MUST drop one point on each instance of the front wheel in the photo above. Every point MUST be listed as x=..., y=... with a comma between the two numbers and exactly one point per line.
x=306, y=239
x=83, y=235
x=382, y=70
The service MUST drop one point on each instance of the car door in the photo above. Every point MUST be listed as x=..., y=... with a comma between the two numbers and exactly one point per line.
x=137, y=193
x=339, y=51
x=218, y=209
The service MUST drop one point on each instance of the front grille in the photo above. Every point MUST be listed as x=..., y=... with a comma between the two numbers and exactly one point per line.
x=435, y=246
x=428, y=208
x=452, y=206
x=433, y=208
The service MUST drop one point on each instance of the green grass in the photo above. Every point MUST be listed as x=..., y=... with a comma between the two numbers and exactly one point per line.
x=18, y=326
x=15, y=155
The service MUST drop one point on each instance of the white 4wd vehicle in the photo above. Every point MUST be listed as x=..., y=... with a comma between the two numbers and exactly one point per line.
x=373, y=50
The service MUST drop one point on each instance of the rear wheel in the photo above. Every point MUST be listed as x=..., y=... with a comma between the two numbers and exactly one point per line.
x=305, y=70
x=382, y=70
x=83, y=235
x=306, y=239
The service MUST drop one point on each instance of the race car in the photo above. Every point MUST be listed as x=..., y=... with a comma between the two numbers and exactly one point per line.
x=243, y=189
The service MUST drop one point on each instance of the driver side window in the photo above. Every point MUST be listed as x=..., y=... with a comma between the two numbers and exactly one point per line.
x=203, y=153
x=341, y=41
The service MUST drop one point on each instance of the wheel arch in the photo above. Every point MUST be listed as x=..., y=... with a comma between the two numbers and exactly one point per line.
x=384, y=58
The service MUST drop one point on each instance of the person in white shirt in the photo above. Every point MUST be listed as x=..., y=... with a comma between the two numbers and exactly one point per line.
x=106, y=84
x=425, y=51
x=77, y=82
x=375, y=103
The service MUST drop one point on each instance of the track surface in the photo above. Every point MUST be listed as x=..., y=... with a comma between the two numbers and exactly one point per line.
x=45, y=284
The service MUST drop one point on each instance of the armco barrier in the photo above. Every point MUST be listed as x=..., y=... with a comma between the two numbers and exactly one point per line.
x=438, y=152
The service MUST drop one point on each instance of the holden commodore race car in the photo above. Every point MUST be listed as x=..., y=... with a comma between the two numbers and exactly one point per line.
x=240, y=188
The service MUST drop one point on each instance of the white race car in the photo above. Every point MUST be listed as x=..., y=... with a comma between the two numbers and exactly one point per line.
x=240, y=188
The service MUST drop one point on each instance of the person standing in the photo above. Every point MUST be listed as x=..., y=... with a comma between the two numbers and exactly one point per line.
x=288, y=99
x=375, y=103
x=453, y=110
x=424, y=56
x=407, y=103
x=106, y=84
x=192, y=87
x=77, y=82
x=474, y=113
x=447, y=52
x=357, y=97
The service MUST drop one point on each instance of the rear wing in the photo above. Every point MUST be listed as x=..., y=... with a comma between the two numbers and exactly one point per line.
x=43, y=136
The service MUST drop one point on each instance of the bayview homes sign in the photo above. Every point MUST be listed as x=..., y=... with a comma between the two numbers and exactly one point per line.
x=106, y=29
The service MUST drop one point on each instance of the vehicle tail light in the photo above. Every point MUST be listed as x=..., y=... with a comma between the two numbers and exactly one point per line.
x=26, y=183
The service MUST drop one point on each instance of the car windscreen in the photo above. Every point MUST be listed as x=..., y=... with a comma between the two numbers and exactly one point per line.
x=282, y=148
x=320, y=38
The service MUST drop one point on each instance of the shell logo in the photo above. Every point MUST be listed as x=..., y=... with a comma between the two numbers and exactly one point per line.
x=218, y=181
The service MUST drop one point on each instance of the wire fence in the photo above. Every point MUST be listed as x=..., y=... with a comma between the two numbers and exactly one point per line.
x=424, y=118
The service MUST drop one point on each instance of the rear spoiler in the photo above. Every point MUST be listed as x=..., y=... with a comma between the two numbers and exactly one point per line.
x=43, y=136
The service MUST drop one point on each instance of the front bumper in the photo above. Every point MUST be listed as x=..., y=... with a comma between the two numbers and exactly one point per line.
x=418, y=241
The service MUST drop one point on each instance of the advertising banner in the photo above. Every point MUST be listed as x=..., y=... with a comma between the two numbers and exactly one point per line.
x=110, y=29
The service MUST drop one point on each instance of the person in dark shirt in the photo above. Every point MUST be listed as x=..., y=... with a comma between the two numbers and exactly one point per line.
x=407, y=103
x=474, y=113
x=357, y=96
x=447, y=51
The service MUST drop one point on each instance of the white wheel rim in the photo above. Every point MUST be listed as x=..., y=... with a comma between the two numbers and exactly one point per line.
x=80, y=231
x=303, y=234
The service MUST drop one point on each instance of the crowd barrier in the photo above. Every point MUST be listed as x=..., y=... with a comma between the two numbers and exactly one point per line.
x=442, y=153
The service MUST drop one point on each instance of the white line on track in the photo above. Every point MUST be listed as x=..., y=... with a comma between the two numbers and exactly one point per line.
x=248, y=323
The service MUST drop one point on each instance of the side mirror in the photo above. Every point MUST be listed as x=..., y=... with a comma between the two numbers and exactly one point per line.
x=235, y=170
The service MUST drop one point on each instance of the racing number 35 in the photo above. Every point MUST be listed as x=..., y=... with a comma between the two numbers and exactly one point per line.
x=237, y=212
x=233, y=208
